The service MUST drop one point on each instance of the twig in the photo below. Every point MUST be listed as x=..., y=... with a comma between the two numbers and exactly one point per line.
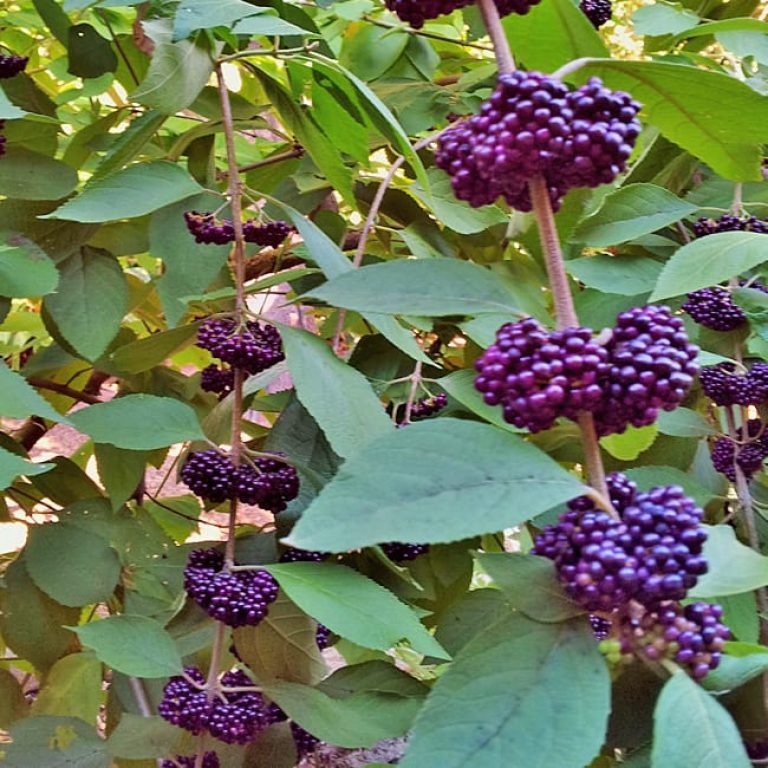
x=415, y=381
x=63, y=389
x=103, y=15
x=425, y=34
x=277, y=52
x=287, y=155
x=143, y=703
x=492, y=21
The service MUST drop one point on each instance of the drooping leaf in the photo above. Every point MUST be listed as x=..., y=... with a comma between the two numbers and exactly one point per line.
x=692, y=730
x=628, y=445
x=683, y=422
x=517, y=689
x=27, y=175
x=464, y=620
x=120, y=471
x=502, y=479
x=461, y=386
x=90, y=302
x=142, y=738
x=267, y=24
x=734, y=671
x=353, y=606
x=205, y=14
x=26, y=272
x=19, y=400
x=13, y=704
x=146, y=353
x=626, y=275
x=139, y=422
x=663, y=19
x=133, y=645
x=134, y=191
x=73, y=688
x=73, y=566
x=11, y=466
x=90, y=54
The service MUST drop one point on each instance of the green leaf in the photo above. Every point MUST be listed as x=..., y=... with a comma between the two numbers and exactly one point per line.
x=503, y=480
x=530, y=585
x=13, y=704
x=133, y=645
x=726, y=25
x=552, y=34
x=206, y=14
x=264, y=24
x=26, y=175
x=709, y=261
x=714, y=116
x=139, y=422
x=9, y=111
x=90, y=54
x=11, y=466
x=32, y=625
x=73, y=688
x=54, y=17
x=90, y=302
x=142, y=738
x=120, y=471
x=629, y=212
x=132, y=192
x=517, y=689
x=461, y=386
x=721, y=551
x=26, y=272
x=353, y=606
x=141, y=355
x=338, y=397
x=651, y=477
x=683, y=422
x=428, y=287
x=693, y=731
x=19, y=400
x=733, y=671
x=55, y=742
x=282, y=646
x=73, y=566
x=465, y=619
x=625, y=275
x=663, y=19
x=628, y=445
x=373, y=676
x=359, y=720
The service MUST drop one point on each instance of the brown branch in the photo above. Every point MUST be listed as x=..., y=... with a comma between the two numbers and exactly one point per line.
x=63, y=389
x=297, y=151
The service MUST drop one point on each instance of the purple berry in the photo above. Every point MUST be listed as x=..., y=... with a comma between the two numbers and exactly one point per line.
x=416, y=12
x=208, y=230
x=729, y=223
x=305, y=742
x=599, y=12
x=253, y=347
x=400, y=553
x=209, y=475
x=537, y=376
x=428, y=406
x=322, y=636
x=11, y=65
x=210, y=760
x=237, y=599
x=748, y=451
x=268, y=483
x=185, y=704
x=221, y=381
x=295, y=555
x=271, y=234
x=714, y=308
x=601, y=627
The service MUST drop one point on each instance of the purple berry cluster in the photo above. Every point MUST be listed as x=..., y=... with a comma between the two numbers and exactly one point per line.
x=305, y=742
x=209, y=230
x=730, y=223
x=428, y=406
x=399, y=552
x=533, y=126
x=416, y=12
x=692, y=635
x=210, y=760
x=237, y=599
x=268, y=482
x=724, y=385
x=322, y=636
x=220, y=381
x=599, y=12
x=748, y=451
x=536, y=376
x=234, y=717
x=601, y=627
x=714, y=308
x=254, y=347
x=296, y=555
x=11, y=65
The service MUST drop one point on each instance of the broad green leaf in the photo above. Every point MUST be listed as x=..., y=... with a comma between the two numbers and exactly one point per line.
x=734, y=671
x=205, y=14
x=552, y=34
x=90, y=302
x=726, y=25
x=139, y=422
x=338, y=397
x=745, y=44
x=461, y=386
x=530, y=585
x=502, y=479
x=465, y=619
x=13, y=704
x=26, y=272
x=73, y=688
x=651, y=477
x=722, y=550
x=134, y=191
x=19, y=400
x=282, y=646
x=133, y=645
x=12, y=465
x=264, y=24
x=683, y=422
x=73, y=566
x=142, y=738
x=626, y=275
x=274, y=748
x=90, y=54
x=373, y=676
x=55, y=742
x=353, y=606
x=359, y=720
x=120, y=471
x=54, y=17
x=693, y=731
x=9, y=111
x=146, y=353
x=717, y=118
x=628, y=445
x=26, y=175
x=32, y=625
x=709, y=261
x=428, y=287
x=516, y=690
x=629, y=212
x=740, y=616
x=663, y=19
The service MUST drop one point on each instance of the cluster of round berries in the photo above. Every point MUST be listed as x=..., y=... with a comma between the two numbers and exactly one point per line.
x=428, y=406
x=533, y=126
x=748, y=451
x=416, y=12
x=692, y=635
x=254, y=346
x=725, y=386
x=11, y=65
x=234, y=717
x=637, y=565
x=237, y=599
x=599, y=12
x=536, y=375
x=715, y=308
x=305, y=742
x=296, y=555
x=209, y=230
x=399, y=552
x=267, y=482
x=730, y=223
x=210, y=760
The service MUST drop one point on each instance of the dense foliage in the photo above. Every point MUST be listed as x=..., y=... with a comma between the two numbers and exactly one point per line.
x=383, y=374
